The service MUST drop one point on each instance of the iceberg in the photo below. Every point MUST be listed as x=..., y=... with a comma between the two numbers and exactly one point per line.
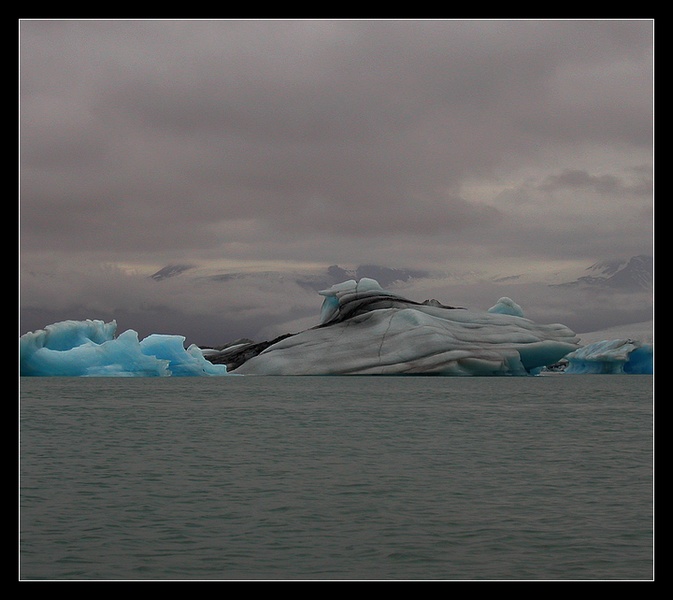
x=617, y=356
x=366, y=330
x=90, y=349
x=362, y=329
x=506, y=306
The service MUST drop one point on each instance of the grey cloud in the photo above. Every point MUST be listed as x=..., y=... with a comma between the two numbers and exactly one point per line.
x=399, y=141
x=602, y=184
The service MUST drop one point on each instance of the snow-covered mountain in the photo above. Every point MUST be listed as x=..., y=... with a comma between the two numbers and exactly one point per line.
x=633, y=274
x=170, y=271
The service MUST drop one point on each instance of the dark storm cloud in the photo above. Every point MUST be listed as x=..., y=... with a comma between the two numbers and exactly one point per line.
x=373, y=126
x=605, y=184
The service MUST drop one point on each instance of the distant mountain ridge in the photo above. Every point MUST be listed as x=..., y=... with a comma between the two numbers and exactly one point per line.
x=170, y=271
x=333, y=274
x=633, y=274
x=628, y=275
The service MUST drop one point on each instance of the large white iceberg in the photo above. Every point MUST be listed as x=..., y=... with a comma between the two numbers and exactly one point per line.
x=90, y=349
x=365, y=330
x=612, y=357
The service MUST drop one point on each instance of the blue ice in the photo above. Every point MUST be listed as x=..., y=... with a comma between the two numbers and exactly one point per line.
x=612, y=357
x=90, y=349
x=506, y=306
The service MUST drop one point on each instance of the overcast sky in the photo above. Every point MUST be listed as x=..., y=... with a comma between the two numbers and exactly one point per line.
x=448, y=144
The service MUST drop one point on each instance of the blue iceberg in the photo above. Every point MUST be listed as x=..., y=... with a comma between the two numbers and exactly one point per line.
x=506, y=306
x=90, y=349
x=614, y=357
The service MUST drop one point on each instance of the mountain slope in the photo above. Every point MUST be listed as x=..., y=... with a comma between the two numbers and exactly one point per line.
x=634, y=274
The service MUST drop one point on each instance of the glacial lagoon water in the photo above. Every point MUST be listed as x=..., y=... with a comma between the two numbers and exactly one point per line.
x=337, y=478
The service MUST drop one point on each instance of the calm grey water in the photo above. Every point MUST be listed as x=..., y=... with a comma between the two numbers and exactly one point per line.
x=332, y=478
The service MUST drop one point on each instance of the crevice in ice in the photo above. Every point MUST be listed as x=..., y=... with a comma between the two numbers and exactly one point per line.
x=385, y=333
